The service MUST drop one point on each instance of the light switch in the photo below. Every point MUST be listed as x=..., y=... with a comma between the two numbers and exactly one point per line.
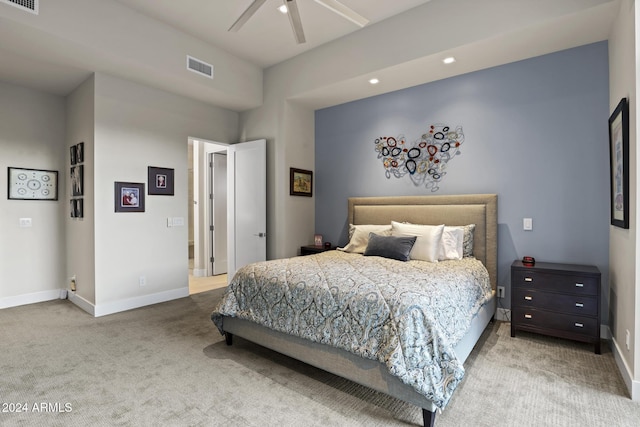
x=527, y=224
x=178, y=221
x=25, y=222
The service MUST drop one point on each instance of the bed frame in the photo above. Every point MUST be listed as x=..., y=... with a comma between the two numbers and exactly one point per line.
x=479, y=209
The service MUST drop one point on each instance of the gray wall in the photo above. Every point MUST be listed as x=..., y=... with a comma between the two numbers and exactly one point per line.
x=535, y=134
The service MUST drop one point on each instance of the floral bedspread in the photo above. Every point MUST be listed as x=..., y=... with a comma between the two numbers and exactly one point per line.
x=407, y=315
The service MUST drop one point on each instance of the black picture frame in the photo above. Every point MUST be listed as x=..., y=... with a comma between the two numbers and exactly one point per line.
x=160, y=181
x=32, y=184
x=129, y=196
x=73, y=155
x=77, y=180
x=80, y=152
x=619, y=164
x=300, y=182
x=76, y=208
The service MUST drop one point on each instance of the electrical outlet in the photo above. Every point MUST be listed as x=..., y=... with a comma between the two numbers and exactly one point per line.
x=142, y=280
x=72, y=283
x=500, y=291
x=627, y=339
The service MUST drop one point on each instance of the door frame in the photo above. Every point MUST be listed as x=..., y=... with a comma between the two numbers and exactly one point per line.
x=202, y=207
x=202, y=241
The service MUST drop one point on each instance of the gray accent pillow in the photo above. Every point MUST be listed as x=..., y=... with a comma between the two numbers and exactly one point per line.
x=393, y=247
x=467, y=244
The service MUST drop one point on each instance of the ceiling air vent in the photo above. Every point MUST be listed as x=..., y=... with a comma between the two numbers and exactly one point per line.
x=200, y=67
x=28, y=5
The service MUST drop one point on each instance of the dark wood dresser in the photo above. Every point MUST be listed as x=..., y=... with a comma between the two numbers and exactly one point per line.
x=561, y=300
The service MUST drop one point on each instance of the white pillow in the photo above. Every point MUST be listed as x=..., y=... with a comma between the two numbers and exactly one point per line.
x=451, y=243
x=359, y=236
x=428, y=240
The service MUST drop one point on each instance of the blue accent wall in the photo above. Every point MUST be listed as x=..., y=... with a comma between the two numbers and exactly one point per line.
x=536, y=133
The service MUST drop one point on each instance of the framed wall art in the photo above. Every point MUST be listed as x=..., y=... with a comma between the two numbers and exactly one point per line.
x=619, y=164
x=32, y=184
x=160, y=181
x=77, y=180
x=76, y=207
x=129, y=197
x=300, y=182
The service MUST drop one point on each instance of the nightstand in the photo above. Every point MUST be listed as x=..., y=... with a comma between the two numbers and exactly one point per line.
x=312, y=249
x=560, y=300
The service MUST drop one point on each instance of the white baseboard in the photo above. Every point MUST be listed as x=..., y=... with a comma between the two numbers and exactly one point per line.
x=81, y=302
x=137, y=302
x=32, y=298
x=199, y=272
x=633, y=386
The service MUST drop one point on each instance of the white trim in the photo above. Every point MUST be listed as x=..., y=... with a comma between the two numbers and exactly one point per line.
x=33, y=298
x=633, y=386
x=199, y=272
x=81, y=302
x=137, y=302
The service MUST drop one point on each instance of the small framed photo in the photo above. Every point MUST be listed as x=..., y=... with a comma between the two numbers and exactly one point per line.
x=129, y=197
x=77, y=180
x=619, y=164
x=317, y=239
x=32, y=184
x=160, y=181
x=77, y=208
x=73, y=154
x=80, y=152
x=300, y=182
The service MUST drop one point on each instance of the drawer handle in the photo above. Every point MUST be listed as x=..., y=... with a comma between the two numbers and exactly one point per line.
x=579, y=325
x=528, y=316
x=528, y=279
x=579, y=285
x=579, y=304
x=528, y=298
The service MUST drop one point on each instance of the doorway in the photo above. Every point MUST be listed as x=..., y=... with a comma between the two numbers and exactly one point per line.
x=207, y=198
x=242, y=196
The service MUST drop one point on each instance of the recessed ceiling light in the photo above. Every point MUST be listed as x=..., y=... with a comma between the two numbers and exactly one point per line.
x=374, y=81
x=449, y=60
x=283, y=8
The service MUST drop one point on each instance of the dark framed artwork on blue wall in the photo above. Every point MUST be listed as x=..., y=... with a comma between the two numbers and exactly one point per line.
x=619, y=164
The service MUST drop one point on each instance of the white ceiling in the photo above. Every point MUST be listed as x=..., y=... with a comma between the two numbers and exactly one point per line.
x=34, y=54
x=267, y=38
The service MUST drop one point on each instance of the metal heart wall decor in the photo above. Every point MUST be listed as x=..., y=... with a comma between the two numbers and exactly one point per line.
x=426, y=160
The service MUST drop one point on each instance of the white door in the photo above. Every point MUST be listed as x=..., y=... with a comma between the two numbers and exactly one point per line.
x=247, y=204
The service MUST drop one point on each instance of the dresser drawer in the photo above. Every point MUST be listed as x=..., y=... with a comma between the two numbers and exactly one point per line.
x=561, y=283
x=569, y=304
x=536, y=319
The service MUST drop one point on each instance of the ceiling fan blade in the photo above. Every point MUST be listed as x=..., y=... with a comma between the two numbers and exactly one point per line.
x=253, y=7
x=344, y=11
x=294, y=18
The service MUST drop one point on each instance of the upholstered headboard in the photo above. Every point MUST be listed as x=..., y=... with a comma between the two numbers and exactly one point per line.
x=478, y=209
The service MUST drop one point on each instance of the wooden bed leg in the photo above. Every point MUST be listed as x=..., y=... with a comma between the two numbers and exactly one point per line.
x=228, y=337
x=429, y=418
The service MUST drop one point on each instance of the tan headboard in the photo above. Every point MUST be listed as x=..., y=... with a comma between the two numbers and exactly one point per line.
x=478, y=209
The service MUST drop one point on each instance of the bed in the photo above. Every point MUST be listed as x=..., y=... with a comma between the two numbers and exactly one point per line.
x=358, y=362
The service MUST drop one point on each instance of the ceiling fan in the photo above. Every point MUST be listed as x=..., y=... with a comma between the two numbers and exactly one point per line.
x=294, y=15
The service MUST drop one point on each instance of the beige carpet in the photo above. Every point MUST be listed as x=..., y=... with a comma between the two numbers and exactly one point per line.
x=167, y=365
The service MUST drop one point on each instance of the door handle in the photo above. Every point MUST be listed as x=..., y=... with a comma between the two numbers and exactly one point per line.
x=261, y=234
